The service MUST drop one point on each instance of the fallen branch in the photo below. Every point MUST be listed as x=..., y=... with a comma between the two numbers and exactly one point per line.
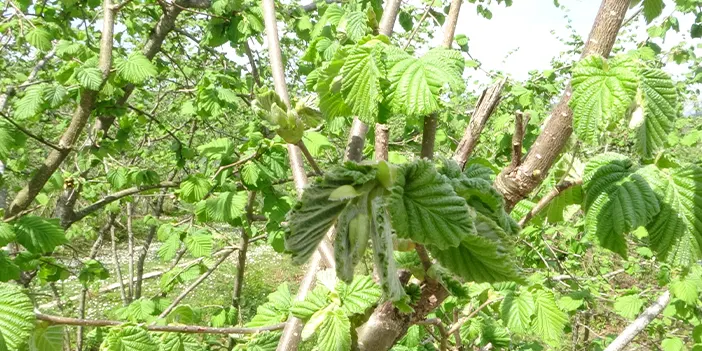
x=640, y=323
x=188, y=329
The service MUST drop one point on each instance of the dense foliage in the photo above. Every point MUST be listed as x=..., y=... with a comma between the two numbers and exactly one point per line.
x=167, y=183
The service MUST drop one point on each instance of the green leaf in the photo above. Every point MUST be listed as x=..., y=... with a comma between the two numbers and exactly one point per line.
x=317, y=143
x=685, y=290
x=358, y=296
x=602, y=92
x=659, y=111
x=617, y=201
x=8, y=269
x=360, y=86
x=315, y=213
x=652, y=9
x=485, y=257
x=31, y=103
x=89, y=77
x=424, y=207
x=194, y=188
x=128, y=338
x=178, y=342
x=47, y=338
x=549, y=320
x=517, y=309
x=39, y=235
x=118, y=177
x=274, y=311
x=628, y=306
x=167, y=251
x=40, y=38
x=263, y=342
x=335, y=332
x=199, y=245
x=416, y=84
x=354, y=24
x=16, y=316
x=92, y=271
x=7, y=233
x=675, y=233
x=315, y=301
x=136, y=68
x=224, y=207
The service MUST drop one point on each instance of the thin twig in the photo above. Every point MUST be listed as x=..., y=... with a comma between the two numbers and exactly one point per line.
x=557, y=190
x=309, y=157
x=30, y=134
x=457, y=325
x=419, y=24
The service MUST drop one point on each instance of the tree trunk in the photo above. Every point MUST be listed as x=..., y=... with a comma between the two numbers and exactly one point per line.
x=516, y=183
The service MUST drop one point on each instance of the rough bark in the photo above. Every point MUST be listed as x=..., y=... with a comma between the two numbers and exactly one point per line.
x=516, y=183
x=78, y=121
x=486, y=105
x=382, y=138
x=356, y=141
x=640, y=323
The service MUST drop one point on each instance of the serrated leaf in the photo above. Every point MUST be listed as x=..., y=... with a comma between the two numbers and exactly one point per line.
x=178, y=342
x=602, y=92
x=263, y=342
x=118, y=177
x=136, y=68
x=89, y=77
x=416, y=84
x=7, y=234
x=335, y=332
x=628, y=306
x=675, y=232
x=31, y=103
x=315, y=301
x=8, y=269
x=485, y=257
x=549, y=320
x=517, y=309
x=685, y=290
x=199, y=245
x=224, y=207
x=47, y=338
x=128, y=338
x=617, y=201
x=659, y=111
x=16, y=316
x=360, y=86
x=274, y=311
x=39, y=235
x=354, y=24
x=424, y=207
x=168, y=249
x=358, y=296
x=194, y=188
x=40, y=38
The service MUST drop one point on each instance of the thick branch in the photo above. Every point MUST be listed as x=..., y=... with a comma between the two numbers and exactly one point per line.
x=188, y=329
x=640, y=323
x=518, y=182
x=80, y=117
x=486, y=105
x=520, y=123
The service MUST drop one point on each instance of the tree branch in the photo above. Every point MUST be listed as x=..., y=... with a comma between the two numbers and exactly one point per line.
x=30, y=134
x=520, y=124
x=486, y=105
x=80, y=214
x=557, y=190
x=188, y=329
x=640, y=323
x=457, y=326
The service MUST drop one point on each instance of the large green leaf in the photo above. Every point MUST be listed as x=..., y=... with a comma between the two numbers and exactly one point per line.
x=178, y=342
x=602, y=92
x=686, y=290
x=360, y=86
x=354, y=24
x=47, y=338
x=136, y=68
x=274, y=311
x=659, y=109
x=628, y=306
x=652, y=9
x=223, y=207
x=199, y=245
x=315, y=301
x=425, y=208
x=128, y=338
x=486, y=257
x=517, y=309
x=8, y=269
x=16, y=316
x=40, y=38
x=416, y=84
x=676, y=232
x=549, y=320
x=31, y=103
x=335, y=332
x=194, y=188
x=358, y=296
x=39, y=235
